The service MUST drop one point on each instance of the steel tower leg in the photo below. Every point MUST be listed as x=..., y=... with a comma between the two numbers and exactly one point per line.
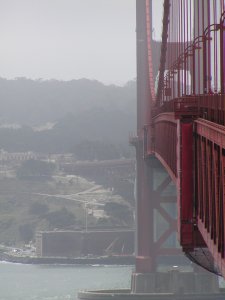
x=145, y=261
x=146, y=279
x=145, y=256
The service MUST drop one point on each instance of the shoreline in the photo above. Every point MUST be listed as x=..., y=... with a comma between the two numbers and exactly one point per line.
x=103, y=260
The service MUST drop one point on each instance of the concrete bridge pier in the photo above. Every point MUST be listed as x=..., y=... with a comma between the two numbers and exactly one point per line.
x=175, y=282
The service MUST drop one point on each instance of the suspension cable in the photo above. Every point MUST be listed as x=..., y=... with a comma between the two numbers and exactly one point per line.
x=163, y=51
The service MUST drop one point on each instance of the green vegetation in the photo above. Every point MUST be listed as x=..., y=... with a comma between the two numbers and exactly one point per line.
x=96, y=150
x=60, y=218
x=31, y=169
x=38, y=208
x=25, y=209
x=28, y=206
x=104, y=115
x=51, y=100
x=26, y=232
x=33, y=200
x=120, y=212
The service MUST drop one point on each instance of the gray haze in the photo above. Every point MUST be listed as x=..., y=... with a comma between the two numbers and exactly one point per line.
x=68, y=39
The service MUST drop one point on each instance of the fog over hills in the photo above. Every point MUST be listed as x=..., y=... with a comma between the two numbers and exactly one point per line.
x=33, y=102
x=81, y=110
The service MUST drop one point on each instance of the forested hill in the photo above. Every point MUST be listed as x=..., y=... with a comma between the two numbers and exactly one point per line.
x=33, y=102
x=85, y=113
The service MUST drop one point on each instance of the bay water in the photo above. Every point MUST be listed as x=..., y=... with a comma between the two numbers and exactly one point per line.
x=58, y=282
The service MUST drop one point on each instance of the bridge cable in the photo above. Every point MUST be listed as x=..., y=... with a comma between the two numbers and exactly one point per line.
x=163, y=51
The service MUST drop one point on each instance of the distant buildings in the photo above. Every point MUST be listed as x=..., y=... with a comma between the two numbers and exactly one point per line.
x=16, y=156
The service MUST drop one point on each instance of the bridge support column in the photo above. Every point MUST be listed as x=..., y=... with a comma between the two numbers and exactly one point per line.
x=156, y=222
x=185, y=184
x=145, y=250
x=149, y=245
x=152, y=216
x=188, y=234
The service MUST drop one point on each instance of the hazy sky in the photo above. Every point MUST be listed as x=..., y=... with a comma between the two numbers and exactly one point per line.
x=68, y=39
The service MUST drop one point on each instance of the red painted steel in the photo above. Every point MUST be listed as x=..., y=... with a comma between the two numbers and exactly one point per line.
x=185, y=128
x=165, y=126
x=145, y=260
x=163, y=51
x=210, y=140
x=149, y=199
x=185, y=197
x=149, y=48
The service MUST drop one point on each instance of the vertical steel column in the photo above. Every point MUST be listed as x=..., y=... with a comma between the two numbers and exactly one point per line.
x=185, y=155
x=145, y=257
x=222, y=55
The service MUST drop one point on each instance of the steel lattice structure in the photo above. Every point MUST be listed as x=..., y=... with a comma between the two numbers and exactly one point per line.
x=182, y=124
